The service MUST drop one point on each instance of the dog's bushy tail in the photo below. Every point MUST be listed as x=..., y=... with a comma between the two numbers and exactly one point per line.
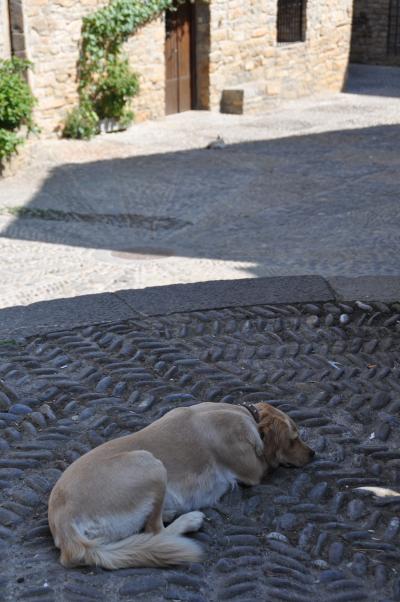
x=141, y=550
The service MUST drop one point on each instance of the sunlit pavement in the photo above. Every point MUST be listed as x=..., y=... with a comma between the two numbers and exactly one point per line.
x=309, y=187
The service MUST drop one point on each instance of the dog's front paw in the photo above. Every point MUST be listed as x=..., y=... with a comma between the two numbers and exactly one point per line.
x=193, y=520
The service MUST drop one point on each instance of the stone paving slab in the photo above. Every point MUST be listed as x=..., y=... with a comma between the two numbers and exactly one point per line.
x=373, y=288
x=226, y=293
x=304, y=534
x=63, y=313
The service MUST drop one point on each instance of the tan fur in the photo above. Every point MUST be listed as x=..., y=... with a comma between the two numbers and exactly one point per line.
x=282, y=443
x=109, y=507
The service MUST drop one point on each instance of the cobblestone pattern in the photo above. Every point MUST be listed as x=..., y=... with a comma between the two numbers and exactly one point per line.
x=126, y=220
x=286, y=196
x=302, y=535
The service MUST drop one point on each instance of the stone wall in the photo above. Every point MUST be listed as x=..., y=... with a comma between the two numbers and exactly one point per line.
x=146, y=56
x=245, y=53
x=370, y=33
x=236, y=48
x=52, y=32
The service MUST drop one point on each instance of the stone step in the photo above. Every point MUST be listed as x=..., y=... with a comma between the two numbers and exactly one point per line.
x=245, y=98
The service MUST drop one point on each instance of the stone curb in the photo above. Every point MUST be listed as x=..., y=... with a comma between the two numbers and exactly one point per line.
x=366, y=288
x=60, y=314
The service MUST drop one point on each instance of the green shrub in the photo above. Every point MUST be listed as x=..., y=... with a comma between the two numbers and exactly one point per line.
x=106, y=83
x=16, y=99
x=81, y=123
x=115, y=86
x=16, y=104
x=9, y=143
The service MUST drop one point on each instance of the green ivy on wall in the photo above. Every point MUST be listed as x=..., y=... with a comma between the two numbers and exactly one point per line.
x=106, y=82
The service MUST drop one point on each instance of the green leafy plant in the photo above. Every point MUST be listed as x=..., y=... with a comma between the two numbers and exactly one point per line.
x=81, y=123
x=9, y=143
x=106, y=82
x=16, y=104
x=115, y=86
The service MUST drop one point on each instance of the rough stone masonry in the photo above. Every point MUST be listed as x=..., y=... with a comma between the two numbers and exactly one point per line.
x=236, y=47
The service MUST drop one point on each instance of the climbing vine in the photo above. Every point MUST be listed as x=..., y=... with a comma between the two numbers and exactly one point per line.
x=106, y=82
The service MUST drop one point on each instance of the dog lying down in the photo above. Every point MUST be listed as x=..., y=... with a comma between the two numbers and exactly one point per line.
x=109, y=507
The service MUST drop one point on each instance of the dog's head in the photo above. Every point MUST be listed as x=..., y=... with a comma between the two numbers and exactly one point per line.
x=282, y=442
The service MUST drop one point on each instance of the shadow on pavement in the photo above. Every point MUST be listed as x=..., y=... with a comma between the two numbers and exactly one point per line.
x=325, y=203
x=373, y=80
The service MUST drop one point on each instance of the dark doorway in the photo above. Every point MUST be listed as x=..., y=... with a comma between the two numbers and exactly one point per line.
x=394, y=28
x=179, y=59
x=375, y=38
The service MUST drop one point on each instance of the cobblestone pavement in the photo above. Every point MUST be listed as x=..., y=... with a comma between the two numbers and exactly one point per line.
x=310, y=187
x=302, y=535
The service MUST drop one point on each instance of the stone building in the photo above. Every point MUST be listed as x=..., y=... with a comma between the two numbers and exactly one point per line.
x=376, y=32
x=230, y=55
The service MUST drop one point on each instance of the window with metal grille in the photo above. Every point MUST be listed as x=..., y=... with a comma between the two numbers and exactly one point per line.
x=291, y=20
x=394, y=28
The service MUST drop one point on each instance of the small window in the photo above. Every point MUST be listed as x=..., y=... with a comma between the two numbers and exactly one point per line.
x=291, y=20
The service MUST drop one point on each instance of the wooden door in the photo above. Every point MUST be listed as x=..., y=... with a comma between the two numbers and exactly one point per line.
x=178, y=59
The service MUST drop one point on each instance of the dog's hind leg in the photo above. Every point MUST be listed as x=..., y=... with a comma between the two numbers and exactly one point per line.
x=191, y=521
x=154, y=523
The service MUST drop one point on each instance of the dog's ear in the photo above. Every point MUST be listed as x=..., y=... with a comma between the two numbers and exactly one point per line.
x=282, y=444
x=272, y=429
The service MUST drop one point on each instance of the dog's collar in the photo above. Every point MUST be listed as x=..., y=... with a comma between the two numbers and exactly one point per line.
x=254, y=412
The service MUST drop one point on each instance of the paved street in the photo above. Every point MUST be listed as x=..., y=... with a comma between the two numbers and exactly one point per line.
x=303, y=535
x=311, y=187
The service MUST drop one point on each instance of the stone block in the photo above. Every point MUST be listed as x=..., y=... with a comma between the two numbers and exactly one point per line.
x=273, y=88
x=260, y=32
x=232, y=102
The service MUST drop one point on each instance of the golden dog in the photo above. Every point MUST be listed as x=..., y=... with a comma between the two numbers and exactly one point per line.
x=109, y=507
